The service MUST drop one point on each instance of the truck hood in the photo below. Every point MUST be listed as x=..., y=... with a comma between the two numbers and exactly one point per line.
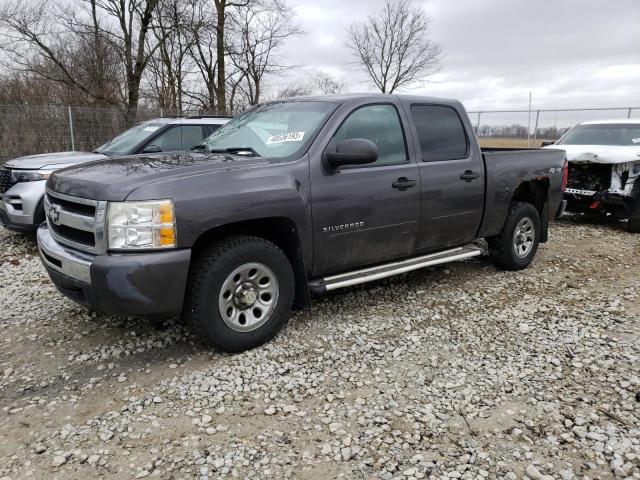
x=116, y=178
x=54, y=159
x=607, y=154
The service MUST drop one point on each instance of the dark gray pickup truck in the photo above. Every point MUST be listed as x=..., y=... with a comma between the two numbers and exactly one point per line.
x=289, y=199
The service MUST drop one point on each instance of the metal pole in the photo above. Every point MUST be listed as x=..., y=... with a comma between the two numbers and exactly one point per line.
x=535, y=129
x=73, y=143
x=529, y=123
x=478, y=124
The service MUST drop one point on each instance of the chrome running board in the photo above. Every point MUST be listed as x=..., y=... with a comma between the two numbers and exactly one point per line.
x=389, y=269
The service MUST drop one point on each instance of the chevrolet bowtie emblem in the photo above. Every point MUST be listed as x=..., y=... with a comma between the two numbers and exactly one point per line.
x=54, y=213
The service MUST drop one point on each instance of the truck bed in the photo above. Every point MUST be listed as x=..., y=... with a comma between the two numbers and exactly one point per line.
x=506, y=168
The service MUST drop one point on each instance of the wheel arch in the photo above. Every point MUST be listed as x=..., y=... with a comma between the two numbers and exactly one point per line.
x=536, y=192
x=280, y=231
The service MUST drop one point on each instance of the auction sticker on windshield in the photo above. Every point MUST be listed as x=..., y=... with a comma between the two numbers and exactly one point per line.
x=286, y=137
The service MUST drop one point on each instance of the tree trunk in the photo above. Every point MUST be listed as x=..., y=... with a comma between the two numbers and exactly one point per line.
x=131, y=112
x=221, y=93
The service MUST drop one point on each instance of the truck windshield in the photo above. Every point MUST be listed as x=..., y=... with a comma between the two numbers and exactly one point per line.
x=618, y=134
x=124, y=143
x=274, y=130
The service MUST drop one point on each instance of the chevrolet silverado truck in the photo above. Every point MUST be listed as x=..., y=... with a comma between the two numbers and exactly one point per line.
x=22, y=179
x=604, y=166
x=292, y=198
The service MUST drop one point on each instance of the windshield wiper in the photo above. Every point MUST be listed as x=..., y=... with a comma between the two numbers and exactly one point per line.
x=244, y=151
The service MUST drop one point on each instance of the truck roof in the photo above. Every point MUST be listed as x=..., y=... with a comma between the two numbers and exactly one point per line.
x=373, y=97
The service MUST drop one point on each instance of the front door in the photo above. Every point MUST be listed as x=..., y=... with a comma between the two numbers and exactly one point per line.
x=366, y=214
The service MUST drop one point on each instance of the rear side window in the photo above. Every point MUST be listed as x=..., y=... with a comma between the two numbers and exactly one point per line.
x=381, y=125
x=191, y=135
x=179, y=138
x=441, y=133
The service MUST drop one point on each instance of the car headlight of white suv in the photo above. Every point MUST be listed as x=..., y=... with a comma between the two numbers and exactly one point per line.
x=20, y=176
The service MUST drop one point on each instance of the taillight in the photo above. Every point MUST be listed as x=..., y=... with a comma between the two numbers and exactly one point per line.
x=565, y=175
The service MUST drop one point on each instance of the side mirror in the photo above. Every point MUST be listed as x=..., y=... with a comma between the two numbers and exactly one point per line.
x=152, y=149
x=544, y=144
x=353, y=151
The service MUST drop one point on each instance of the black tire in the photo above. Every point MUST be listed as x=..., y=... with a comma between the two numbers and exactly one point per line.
x=634, y=217
x=502, y=248
x=38, y=214
x=209, y=272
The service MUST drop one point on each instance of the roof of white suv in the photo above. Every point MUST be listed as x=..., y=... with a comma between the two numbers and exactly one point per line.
x=615, y=121
x=195, y=120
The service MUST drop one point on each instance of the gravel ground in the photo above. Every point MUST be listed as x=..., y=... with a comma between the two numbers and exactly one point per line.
x=460, y=371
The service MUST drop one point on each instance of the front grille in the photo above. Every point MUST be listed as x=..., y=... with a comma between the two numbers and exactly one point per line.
x=5, y=180
x=79, y=208
x=73, y=234
x=75, y=222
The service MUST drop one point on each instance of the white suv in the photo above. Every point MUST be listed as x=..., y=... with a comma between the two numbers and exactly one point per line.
x=22, y=179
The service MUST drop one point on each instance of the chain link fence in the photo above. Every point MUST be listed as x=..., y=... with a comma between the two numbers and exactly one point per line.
x=28, y=130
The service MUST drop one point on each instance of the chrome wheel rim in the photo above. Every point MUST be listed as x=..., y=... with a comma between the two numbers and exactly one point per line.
x=248, y=297
x=523, y=237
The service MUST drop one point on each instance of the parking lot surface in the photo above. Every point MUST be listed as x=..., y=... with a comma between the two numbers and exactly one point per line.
x=460, y=371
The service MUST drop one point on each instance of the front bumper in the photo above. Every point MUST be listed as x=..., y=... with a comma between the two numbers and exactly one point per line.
x=20, y=206
x=148, y=284
x=586, y=201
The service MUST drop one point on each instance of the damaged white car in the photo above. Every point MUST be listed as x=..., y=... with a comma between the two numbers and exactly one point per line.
x=604, y=163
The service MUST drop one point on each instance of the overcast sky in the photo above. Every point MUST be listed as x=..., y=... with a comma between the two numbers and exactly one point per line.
x=568, y=53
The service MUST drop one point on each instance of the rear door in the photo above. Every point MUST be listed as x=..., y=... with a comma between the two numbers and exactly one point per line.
x=369, y=213
x=452, y=177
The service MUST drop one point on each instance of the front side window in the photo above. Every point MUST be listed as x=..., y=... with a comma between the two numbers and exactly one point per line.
x=618, y=134
x=441, y=133
x=380, y=124
x=275, y=130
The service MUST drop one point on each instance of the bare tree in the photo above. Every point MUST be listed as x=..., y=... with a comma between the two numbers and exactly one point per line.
x=327, y=84
x=41, y=34
x=295, y=90
x=169, y=67
x=79, y=58
x=134, y=18
x=393, y=46
x=222, y=7
x=204, y=54
x=260, y=30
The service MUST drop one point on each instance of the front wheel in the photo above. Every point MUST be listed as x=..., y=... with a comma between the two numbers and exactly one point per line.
x=240, y=293
x=517, y=243
x=634, y=218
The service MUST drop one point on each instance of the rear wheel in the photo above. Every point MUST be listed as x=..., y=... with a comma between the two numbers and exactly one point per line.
x=517, y=243
x=240, y=293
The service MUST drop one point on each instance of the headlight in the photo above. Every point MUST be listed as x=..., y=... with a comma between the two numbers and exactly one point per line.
x=132, y=225
x=19, y=176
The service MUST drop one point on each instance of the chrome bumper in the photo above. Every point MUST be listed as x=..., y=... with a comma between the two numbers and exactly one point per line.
x=71, y=263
